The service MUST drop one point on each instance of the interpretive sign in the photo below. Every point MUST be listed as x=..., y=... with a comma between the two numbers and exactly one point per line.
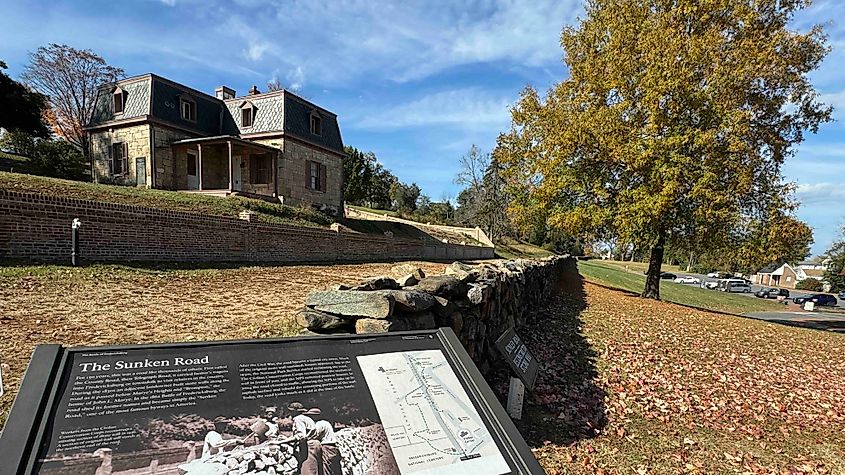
x=521, y=361
x=402, y=403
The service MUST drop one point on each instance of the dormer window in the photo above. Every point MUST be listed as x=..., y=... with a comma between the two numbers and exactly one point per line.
x=118, y=101
x=316, y=124
x=247, y=114
x=188, y=108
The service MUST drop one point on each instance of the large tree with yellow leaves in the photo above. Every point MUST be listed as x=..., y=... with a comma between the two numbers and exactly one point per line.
x=672, y=125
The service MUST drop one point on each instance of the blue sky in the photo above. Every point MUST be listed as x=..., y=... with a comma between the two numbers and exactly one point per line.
x=416, y=82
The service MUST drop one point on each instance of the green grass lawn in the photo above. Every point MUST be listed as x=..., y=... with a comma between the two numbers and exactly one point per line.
x=160, y=199
x=383, y=212
x=513, y=249
x=613, y=274
x=10, y=162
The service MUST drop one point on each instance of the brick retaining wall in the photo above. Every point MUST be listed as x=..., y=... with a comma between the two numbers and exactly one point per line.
x=36, y=227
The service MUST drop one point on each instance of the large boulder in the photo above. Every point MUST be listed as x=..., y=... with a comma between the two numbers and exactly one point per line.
x=401, y=270
x=320, y=321
x=411, y=301
x=421, y=321
x=352, y=303
x=446, y=286
x=381, y=282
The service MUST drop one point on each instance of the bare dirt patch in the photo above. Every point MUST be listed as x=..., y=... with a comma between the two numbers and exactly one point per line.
x=102, y=305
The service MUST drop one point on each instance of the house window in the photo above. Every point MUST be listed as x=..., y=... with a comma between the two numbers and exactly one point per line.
x=316, y=176
x=119, y=160
x=246, y=117
x=259, y=168
x=189, y=109
x=119, y=101
x=316, y=125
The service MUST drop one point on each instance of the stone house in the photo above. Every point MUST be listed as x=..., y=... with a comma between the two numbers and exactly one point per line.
x=152, y=132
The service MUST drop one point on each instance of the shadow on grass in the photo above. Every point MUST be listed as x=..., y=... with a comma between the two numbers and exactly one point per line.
x=566, y=405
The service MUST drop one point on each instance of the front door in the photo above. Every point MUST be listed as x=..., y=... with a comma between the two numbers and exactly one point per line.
x=141, y=171
x=193, y=177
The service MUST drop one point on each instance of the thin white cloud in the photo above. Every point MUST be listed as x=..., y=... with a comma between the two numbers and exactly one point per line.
x=405, y=41
x=255, y=50
x=169, y=3
x=296, y=79
x=469, y=108
x=819, y=193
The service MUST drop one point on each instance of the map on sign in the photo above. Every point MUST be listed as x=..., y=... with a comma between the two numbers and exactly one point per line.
x=430, y=422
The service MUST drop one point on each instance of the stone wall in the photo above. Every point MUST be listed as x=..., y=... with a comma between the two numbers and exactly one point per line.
x=293, y=171
x=479, y=302
x=37, y=228
x=170, y=171
x=137, y=139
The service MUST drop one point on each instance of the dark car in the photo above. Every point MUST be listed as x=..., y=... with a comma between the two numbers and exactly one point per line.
x=818, y=299
x=668, y=275
x=771, y=293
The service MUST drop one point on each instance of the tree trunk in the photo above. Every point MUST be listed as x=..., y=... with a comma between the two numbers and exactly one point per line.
x=655, y=261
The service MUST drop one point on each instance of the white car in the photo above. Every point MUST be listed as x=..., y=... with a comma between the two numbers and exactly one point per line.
x=711, y=285
x=713, y=275
x=687, y=279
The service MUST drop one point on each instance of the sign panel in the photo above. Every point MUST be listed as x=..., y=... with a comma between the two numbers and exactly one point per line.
x=393, y=404
x=521, y=361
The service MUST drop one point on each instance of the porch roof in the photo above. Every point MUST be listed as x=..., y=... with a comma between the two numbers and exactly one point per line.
x=220, y=139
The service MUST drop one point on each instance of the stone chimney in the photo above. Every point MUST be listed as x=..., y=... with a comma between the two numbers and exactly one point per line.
x=253, y=91
x=224, y=93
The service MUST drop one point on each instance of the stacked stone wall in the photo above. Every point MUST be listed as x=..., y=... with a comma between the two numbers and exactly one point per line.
x=479, y=302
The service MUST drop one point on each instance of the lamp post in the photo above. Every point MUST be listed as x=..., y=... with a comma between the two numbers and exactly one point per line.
x=74, y=229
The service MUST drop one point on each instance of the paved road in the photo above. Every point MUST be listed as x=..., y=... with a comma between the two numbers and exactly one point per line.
x=819, y=320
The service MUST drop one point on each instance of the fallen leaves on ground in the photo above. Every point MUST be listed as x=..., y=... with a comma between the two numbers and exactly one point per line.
x=637, y=386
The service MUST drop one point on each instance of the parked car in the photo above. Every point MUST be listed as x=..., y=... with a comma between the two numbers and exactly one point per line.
x=842, y=295
x=771, y=293
x=713, y=275
x=738, y=287
x=818, y=299
x=687, y=279
x=711, y=285
x=733, y=285
x=668, y=276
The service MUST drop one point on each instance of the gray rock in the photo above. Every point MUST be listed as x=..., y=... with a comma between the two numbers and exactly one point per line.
x=352, y=303
x=315, y=320
x=407, y=280
x=401, y=270
x=377, y=283
x=441, y=285
x=479, y=292
x=422, y=321
x=463, y=272
x=411, y=300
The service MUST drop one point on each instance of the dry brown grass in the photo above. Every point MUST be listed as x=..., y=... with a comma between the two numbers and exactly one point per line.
x=115, y=305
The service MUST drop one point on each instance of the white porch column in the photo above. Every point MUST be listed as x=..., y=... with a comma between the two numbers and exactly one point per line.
x=276, y=175
x=229, y=143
